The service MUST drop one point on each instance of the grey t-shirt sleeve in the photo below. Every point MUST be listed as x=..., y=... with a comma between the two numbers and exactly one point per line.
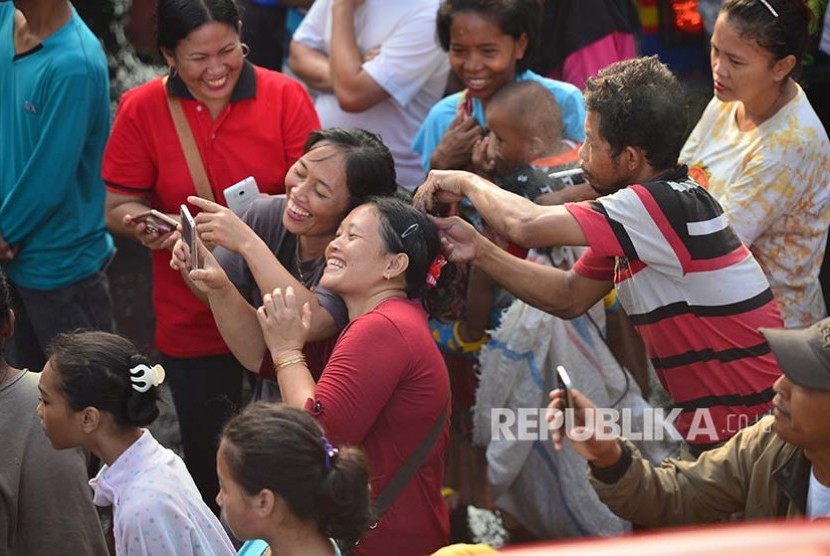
x=264, y=217
x=333, y=303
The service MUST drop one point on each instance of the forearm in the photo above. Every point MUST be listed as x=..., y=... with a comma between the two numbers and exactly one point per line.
x=310, y=65
x=269, y=273
x=511, y=215
x=238, y=325
x=295, y=380
x=544, y=287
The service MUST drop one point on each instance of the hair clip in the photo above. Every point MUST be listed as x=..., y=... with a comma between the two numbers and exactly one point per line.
x=144, y=377
x=330, y=451
x=410, y=230
x=435, y=270
x=769, y=7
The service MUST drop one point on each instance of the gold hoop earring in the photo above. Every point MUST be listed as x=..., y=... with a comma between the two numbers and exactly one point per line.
x=245, y=49
x=172, y=71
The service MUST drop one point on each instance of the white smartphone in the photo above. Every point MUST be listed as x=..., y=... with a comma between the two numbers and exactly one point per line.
x=189, y=237
x=240, y=195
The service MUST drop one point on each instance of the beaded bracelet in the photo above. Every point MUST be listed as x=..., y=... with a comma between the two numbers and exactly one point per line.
x=292, y=360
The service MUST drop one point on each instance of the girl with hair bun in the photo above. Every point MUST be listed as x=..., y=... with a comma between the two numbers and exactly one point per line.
x=282, y=483
x=97, y=392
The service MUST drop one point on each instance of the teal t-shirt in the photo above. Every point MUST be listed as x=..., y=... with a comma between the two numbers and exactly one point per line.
x=54, y=124
x=258, y=548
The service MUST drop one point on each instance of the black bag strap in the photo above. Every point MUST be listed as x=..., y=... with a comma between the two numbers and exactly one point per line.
x=405, y=473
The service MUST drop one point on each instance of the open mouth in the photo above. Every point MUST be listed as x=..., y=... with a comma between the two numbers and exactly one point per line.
x=334, y=263
x=476, y=84
x=216, y=83
x=296, y=212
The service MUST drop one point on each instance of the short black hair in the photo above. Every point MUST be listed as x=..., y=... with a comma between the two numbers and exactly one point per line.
x=640, y=103
x=93, y=370
x=514, y=18
x=783, y=35
x=176, y=19
x=370, y=166
x=533, y=110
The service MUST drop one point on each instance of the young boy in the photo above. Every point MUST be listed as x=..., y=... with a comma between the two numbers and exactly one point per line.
x=524, y=144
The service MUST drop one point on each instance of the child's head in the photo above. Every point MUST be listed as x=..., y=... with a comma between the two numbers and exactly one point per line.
x=489, y=41
x=525, y=123
x=91, y=383
x=275, y=465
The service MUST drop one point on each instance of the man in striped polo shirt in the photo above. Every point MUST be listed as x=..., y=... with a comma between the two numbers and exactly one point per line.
x=694, y=292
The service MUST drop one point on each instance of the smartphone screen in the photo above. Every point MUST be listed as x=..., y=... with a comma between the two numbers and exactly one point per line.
x=566, y=385
x=189, y=237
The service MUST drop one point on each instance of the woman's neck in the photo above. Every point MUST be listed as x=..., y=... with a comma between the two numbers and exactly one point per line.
x=361, y=304
x=755, y=112
x=110, y=445
x=304, y=539
x=312, y=247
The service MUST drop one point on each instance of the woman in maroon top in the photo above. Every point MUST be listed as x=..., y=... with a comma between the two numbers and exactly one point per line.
x=385, y=385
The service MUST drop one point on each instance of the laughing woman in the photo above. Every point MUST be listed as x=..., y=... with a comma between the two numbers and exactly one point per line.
x=243, y=121
x=385, y=387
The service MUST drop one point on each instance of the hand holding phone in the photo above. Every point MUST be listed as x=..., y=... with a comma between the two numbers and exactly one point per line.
x=189, y=237
x=565, y=385
x=156, y=221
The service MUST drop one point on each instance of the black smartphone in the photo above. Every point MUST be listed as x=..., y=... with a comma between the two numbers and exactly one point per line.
x=566, y=385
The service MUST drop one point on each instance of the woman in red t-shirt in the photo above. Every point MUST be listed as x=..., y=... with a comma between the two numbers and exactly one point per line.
x=245, y=121
x=385, y=385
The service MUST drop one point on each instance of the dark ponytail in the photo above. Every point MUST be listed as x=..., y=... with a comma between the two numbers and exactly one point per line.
x=407, y=230
x=93, y=370
x=283, y=449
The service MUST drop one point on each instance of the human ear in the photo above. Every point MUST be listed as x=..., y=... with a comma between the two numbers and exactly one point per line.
x=521, y=46
x=396, y=264
x=90, y=419
x=537, y=146
x=265, y=502
x=782, y=68
x=634, y=158
x=169, y=57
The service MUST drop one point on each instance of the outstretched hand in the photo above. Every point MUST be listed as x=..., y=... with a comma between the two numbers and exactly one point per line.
x=284, y=326
x=582, y=426
x=459, y=239
x=219, y=225
x=442, y=186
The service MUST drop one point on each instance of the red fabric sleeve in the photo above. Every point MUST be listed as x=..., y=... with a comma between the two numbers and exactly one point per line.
x=594, y=266
x=596, y=227
x=368, y=362
x=129, y=166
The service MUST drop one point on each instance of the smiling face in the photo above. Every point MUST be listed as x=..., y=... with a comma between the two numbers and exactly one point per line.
x=60, y=422
x=481, y=55
x=801, y=415
x=741, y=69
x=317, y=192
x=209, y=61
x=357, y=258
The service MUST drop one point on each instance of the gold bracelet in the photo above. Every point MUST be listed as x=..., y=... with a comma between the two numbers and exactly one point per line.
x=293, y=360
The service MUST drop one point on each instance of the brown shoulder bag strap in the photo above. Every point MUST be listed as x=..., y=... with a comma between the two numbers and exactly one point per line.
x=191, y=151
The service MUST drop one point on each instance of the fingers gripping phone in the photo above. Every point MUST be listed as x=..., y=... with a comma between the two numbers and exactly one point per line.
x=156, y=221
x=240, y=195
x=189, y=237
x=566, y=385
